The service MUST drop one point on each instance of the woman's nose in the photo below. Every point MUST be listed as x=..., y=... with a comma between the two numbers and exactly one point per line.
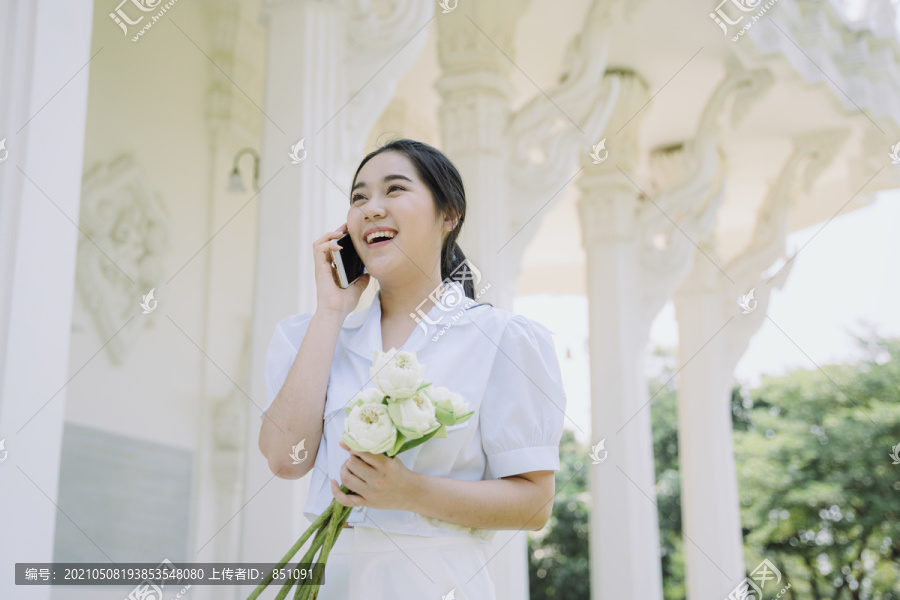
x=375, y=206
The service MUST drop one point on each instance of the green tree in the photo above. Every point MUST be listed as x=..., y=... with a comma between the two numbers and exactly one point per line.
x=559, y=563
x=818, y=488
x=664, y=421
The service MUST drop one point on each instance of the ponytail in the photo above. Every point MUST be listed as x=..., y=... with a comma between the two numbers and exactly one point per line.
x=455, y=266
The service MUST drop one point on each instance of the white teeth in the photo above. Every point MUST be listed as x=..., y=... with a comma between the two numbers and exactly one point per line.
x=375, y=234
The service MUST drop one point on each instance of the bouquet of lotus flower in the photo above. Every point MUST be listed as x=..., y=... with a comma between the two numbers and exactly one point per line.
x=402, y=411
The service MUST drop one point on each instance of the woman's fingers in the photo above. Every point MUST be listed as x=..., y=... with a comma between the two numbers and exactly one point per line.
x=358, y=470
x=328, y=244
x=339, y=495
x=367, y=458
x=344, y=498
x=331, y=235
x=324, y=245
x=364, y=462
x=347, y=475
x=361, y=466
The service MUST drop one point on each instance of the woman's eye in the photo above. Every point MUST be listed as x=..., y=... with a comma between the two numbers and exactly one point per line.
x=390, y=189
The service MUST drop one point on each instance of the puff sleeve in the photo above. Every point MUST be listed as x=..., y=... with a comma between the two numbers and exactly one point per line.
x=524, y=405
x=283, y=348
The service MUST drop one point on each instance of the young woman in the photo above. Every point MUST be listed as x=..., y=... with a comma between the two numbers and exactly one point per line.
x=422, y=518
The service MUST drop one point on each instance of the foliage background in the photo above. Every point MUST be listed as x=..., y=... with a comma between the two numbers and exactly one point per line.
x=818, y=488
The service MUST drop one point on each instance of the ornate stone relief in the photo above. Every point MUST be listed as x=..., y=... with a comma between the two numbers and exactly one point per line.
x=129, y=231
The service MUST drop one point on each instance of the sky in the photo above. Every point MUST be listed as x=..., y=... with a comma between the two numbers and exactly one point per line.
x=844, y=280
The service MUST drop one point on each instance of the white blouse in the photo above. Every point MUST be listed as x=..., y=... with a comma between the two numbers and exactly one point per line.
x=503, y=364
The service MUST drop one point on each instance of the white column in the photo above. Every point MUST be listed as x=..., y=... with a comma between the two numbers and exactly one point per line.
x=224, y=441
x=37, y=262
x=639, y=248
x=714, y=332
x=624, y=532
x=713, y=547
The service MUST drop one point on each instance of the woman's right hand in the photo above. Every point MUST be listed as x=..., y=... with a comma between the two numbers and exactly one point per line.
x=329, y=294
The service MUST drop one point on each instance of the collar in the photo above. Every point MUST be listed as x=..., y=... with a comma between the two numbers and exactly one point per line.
x=362, y=329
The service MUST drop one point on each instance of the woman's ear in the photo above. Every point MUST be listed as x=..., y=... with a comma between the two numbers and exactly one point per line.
x=451, y=221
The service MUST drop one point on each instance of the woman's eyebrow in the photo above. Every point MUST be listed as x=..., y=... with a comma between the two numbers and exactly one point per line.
x=387, y=178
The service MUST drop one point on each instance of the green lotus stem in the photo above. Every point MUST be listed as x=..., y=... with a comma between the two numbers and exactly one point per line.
x=303, y=591
x=338, y=520
x=344, y=513
x=290, y=553
x=339, y=517
x=316, y=544
x=317, y=526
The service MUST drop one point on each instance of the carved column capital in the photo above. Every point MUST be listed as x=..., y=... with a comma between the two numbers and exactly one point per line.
x=607, y=209
x=234, y=42
x=623, y=125
x=734, y=97
x=469, y=40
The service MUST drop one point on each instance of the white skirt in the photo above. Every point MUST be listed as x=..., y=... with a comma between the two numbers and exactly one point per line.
x=367, y=563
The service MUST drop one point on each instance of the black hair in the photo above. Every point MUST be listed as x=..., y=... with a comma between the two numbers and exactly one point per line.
x=446, y=186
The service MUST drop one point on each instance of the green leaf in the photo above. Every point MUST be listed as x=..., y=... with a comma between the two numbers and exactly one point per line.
x=398, y=445
x=423, y=439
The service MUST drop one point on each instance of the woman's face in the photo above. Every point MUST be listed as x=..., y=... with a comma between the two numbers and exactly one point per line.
x=389, y=194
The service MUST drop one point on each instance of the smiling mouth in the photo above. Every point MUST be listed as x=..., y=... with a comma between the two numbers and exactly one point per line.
x=381, y=241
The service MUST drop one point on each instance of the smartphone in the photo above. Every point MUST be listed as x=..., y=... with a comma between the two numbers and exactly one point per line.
x=347, y=262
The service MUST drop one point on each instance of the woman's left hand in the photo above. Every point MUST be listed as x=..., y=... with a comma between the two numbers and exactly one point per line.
x=377, y=480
